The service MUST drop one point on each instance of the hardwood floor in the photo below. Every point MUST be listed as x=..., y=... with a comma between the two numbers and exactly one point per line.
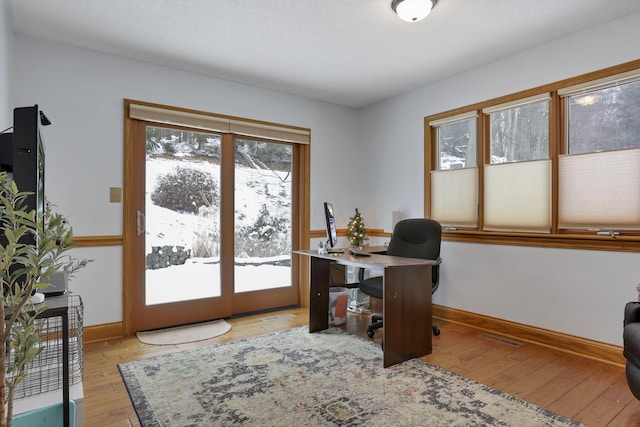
x=591, y=392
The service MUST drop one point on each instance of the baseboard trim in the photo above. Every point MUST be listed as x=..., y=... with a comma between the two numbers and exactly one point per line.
x=596, y=350
x=102, y=332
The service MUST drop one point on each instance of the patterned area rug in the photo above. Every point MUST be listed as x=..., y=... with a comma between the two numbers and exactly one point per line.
x=326, y=378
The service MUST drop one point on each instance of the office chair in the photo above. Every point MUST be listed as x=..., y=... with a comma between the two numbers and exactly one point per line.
x=631, y=346
x=412, y=238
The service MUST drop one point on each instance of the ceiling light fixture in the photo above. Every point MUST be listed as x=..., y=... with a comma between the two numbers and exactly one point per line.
x=412, y=10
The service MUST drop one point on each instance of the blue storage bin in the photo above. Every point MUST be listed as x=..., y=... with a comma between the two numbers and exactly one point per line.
x=49, y=416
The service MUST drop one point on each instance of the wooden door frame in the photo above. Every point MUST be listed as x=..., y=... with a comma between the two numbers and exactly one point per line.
x=142, y=316
x=300, y=234
x=272, y=298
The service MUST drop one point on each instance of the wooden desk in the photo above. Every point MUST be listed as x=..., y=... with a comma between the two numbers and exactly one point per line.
x=406, y=300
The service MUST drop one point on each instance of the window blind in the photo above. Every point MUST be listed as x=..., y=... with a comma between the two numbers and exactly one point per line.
x=218, y=124
x=517, y=196
x=453, y=119
x=178, y=118
x=603, y=83
x=454, y=197
x=599, y=190
x=517, y=103
x=260, y=130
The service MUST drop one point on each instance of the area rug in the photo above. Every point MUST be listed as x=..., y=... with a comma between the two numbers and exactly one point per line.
x=184, y=334
x=294, y=378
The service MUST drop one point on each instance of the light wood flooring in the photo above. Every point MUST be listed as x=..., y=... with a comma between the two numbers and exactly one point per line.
x=591, y=392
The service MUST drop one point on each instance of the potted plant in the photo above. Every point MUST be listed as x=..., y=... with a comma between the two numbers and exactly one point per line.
x=31, y=250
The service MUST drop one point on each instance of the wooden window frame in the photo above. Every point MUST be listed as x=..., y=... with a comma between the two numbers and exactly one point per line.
x=567, y=239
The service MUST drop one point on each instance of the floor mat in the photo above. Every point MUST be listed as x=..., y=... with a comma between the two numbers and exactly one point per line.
x=185, y=334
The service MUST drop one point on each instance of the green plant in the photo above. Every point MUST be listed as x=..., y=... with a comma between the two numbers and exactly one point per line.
x=186, y=190
x=31, y=250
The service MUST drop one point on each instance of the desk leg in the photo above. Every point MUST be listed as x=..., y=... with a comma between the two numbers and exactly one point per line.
x=319, y=295
x=407, y=313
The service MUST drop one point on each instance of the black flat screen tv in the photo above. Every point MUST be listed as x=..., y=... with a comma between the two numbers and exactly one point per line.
x=22, y=157
x=28, y=156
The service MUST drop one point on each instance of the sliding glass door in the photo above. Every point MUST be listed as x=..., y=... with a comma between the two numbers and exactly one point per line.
x=182, y=210
x=263, y=215
x=214, y=225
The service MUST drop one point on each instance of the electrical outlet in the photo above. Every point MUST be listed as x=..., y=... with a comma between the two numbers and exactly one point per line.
x=115, y=194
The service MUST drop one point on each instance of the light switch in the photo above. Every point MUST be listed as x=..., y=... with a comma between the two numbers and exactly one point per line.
x=115, y=194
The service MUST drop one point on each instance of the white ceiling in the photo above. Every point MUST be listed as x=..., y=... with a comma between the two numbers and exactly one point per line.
x=349, y=52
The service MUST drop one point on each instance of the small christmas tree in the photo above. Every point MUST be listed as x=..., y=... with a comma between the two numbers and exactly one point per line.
x=356, y=232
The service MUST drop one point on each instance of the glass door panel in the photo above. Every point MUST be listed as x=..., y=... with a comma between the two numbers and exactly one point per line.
x=182, y=209
x=263, y=215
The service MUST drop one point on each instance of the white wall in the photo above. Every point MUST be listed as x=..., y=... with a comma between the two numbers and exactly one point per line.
x=576, y=292
x=6, y=58
x=371, y=159
x=82, y=93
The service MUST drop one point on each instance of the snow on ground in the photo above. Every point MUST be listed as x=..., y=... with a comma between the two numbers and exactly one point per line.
x=199, y=277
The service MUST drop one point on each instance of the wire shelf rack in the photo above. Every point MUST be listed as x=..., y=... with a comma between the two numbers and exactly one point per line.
x=44, y=373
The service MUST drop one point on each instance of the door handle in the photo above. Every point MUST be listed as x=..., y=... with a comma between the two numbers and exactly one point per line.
x=140, y=223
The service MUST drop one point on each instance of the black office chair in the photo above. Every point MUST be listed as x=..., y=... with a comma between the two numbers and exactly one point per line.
x=631, y=346
x=412, y=238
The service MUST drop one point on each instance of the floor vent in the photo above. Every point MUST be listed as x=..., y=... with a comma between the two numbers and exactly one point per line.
x=502, y=340
x=277, y=317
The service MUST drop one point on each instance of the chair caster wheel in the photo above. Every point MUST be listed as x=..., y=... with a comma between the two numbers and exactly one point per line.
x=370, y=334
x=436, y=331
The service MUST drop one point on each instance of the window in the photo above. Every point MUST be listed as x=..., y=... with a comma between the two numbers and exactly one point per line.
x=520, y=130
x=557, y=165
x=457, y=141
x=604, y=116
x=599, y=176
x=454, y=194
x=517, y=178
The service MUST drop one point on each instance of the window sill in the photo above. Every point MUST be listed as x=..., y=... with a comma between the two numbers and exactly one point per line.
x=561, y=241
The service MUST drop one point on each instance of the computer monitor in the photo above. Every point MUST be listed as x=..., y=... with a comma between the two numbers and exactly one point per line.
x=332, y=235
